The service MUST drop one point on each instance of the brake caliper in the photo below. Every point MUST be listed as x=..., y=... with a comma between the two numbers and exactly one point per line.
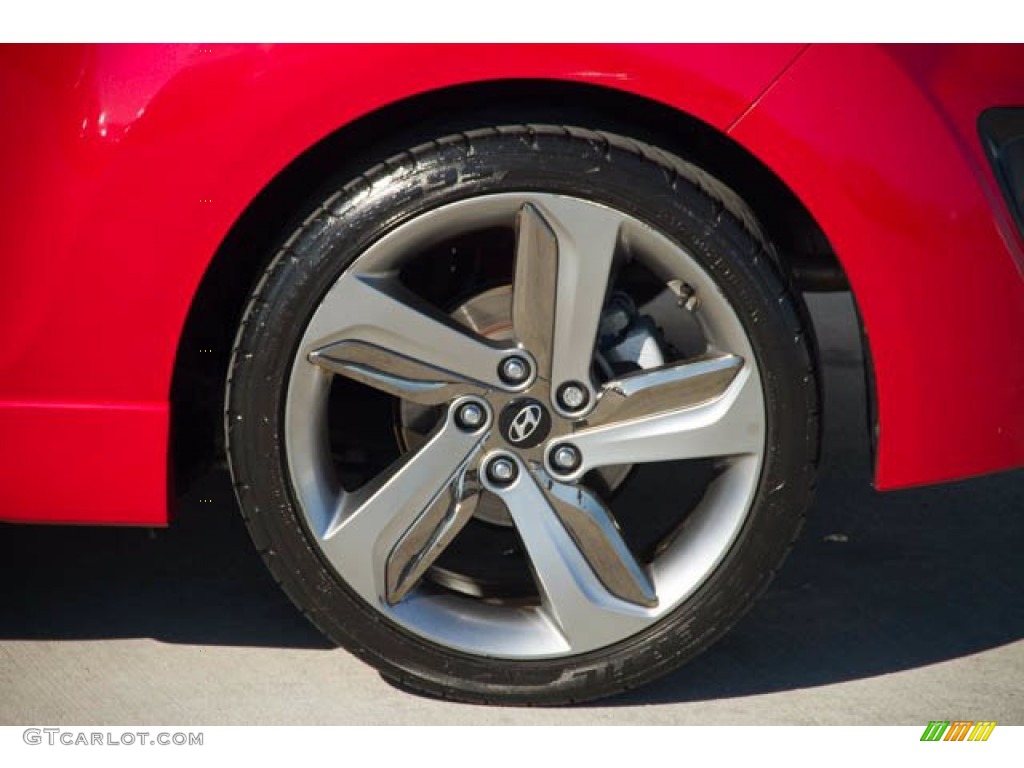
x=627, y=340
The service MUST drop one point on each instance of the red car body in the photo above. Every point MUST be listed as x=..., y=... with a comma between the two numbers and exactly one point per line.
x=126, y=167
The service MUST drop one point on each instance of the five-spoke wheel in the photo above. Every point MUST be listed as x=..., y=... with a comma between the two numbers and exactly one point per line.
x=519, y=425
x=508, y=427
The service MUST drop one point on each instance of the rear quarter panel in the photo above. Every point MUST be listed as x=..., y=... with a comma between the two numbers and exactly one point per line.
x=124, y=169
x=880, y=143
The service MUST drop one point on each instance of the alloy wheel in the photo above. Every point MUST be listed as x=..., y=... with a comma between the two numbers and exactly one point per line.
x=529, y=418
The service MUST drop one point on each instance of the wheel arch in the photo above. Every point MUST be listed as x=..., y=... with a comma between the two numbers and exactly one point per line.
x=204, y=347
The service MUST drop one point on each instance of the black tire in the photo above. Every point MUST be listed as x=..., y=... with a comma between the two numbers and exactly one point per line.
x=650, y=184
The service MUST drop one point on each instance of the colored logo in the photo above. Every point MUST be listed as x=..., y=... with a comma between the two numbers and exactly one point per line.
x=958, y=730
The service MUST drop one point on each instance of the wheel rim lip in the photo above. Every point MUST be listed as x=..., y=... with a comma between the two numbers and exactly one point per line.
x=467, y=624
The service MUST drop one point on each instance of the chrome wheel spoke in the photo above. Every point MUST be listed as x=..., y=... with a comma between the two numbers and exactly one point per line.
x=430, y=534
x=535, y=286
x=703, y=408
x=373, y=330
x=386, y=534
x=671, y=388
x=597, y=535
x=394, y=373
x=574, y=596
x=564, y=255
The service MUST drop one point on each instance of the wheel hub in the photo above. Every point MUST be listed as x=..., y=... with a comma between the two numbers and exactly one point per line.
x=489, y=314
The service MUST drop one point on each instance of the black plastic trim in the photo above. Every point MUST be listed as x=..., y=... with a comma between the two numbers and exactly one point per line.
x=1002, y=135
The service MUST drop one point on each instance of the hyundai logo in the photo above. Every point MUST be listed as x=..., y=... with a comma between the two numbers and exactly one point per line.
x=525, y=423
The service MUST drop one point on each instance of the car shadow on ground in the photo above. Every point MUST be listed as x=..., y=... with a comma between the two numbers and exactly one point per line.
x=877, y=583
x=199, y=581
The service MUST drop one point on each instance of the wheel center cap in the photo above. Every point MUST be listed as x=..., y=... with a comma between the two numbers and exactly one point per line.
x=524, y=423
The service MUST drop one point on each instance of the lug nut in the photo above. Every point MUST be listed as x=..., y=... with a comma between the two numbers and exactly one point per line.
x=502, y=471
x=514, y=370
x=573, y=396
x=565, y=458
x=470, y=416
